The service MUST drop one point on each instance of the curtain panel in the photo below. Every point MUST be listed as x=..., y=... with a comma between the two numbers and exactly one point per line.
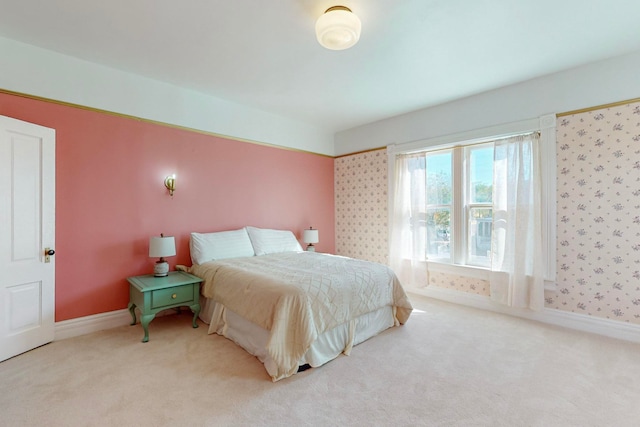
x=407, y=250
x=517, y=275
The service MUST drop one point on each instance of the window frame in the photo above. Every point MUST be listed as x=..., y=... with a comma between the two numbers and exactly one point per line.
x=546, y=125
x=460, y=206
x=469, y=204
x=450, y=206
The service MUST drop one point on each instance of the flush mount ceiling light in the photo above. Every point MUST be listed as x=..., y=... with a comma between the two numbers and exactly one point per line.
x=338, y=28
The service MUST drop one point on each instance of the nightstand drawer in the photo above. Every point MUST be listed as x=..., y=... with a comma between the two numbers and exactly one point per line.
x=171, y=296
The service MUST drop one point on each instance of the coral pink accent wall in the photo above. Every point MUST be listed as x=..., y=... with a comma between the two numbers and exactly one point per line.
x=110, y=196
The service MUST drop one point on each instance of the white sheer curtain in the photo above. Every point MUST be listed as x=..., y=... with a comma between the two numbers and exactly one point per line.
x=407, y=249
x=516, y=277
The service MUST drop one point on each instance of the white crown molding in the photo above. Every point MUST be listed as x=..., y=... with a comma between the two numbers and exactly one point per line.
x=596, y=325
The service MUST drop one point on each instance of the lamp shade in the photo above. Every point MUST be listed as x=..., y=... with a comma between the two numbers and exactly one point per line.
x=160, y=247
x=338, y=28
x=310, y=236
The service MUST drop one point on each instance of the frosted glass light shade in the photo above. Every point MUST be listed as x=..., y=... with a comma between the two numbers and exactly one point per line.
x=338, y=28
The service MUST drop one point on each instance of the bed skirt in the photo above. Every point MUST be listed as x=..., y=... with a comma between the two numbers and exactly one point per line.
x=328, y=346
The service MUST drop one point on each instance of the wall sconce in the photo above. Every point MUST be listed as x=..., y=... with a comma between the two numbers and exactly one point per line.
x=170, y=183
x=310, y=236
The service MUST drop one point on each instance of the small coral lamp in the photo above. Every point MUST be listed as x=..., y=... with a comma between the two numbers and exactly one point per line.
x=160, y=247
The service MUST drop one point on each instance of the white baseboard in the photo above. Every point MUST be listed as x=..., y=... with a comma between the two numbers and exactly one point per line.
x=94, y=323
x=98, y=322
x=610, y=328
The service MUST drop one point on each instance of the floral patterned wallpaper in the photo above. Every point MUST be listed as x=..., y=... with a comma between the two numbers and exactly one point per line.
x=598, y=155
x=361, y=206
x=459, y=283
x=598, y=219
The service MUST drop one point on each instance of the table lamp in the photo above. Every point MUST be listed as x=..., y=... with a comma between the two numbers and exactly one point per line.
x=160, y=247
x=310, y=236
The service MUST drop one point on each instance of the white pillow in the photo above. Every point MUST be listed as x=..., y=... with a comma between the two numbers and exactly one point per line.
x=267, y=241
x=206, y=247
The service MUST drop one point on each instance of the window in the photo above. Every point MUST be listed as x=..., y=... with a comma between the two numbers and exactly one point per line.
x=455, y=210
x=478, y=202
x=469, y=198
x=439, y=203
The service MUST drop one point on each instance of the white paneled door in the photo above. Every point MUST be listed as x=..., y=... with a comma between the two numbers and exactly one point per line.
x=27, y=230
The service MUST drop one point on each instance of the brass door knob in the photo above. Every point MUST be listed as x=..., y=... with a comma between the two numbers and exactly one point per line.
x=47, y=254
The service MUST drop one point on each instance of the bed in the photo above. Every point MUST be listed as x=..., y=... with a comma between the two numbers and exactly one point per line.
x=288, y=307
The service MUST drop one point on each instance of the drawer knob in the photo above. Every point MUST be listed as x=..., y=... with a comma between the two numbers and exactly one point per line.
x=174, y=296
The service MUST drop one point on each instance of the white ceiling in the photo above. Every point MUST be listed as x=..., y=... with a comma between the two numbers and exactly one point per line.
x=263, y=53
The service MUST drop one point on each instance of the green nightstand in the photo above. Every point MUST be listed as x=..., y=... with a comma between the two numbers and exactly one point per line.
x=153, y=294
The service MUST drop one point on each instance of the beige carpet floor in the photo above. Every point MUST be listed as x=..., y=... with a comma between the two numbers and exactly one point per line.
x=449, y=366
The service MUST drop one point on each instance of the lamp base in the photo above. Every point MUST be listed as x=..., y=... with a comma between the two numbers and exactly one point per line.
x=161, y=269
x=311, y=248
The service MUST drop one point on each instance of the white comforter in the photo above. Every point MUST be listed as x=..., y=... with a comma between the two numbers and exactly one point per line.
x=297, y=296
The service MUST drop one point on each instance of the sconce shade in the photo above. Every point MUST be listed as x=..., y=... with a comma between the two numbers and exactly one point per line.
x=338, y=28
x=160, y=247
